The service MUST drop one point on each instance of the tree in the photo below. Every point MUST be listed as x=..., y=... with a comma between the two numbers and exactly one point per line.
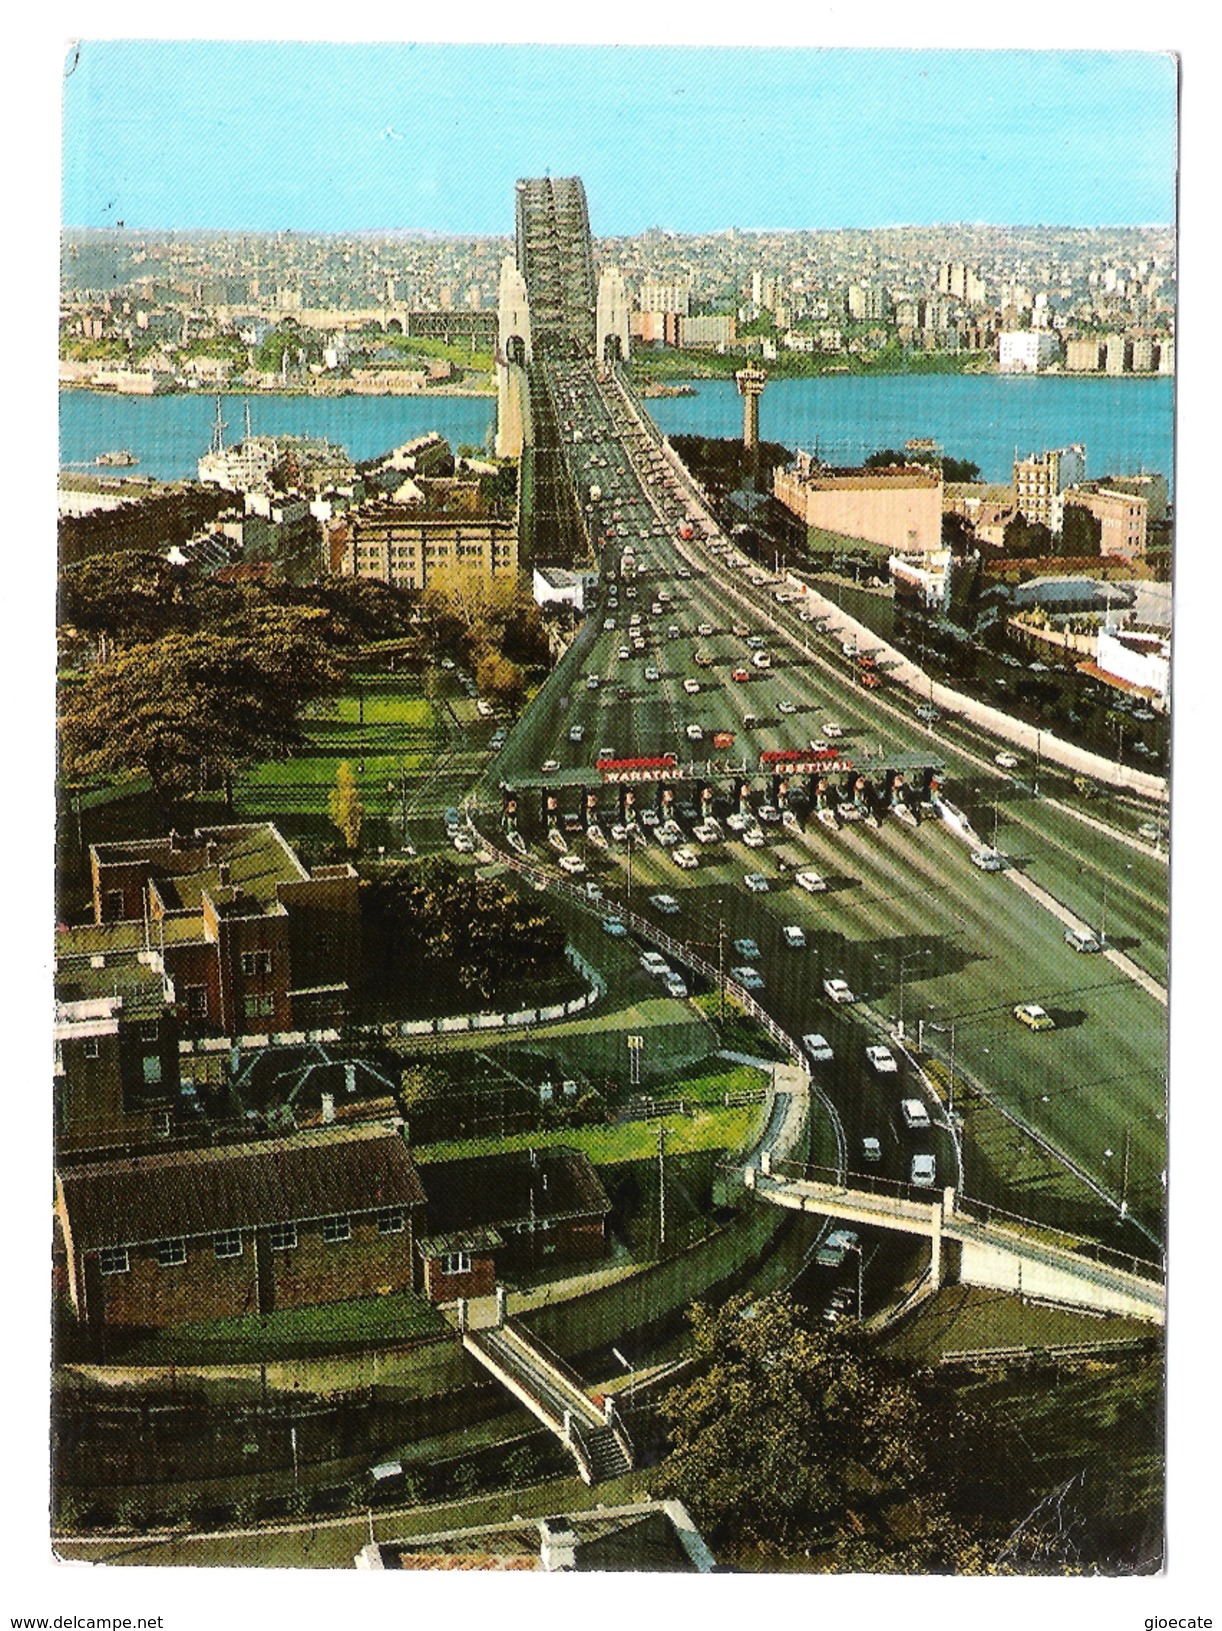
x=347, y=811
x=1081, y=532
x=1027, y=540
x=795, y=1436
x=174, y=707
x=501, y=681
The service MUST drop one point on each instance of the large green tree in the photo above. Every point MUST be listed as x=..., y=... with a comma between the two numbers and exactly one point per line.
x=177, y=707
x=793, y=1436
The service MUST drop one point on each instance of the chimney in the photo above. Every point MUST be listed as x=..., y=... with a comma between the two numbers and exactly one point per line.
x=350, y=1078
x=177, y=841
x=213, y=852
x=328, y=1107
x=222, y=872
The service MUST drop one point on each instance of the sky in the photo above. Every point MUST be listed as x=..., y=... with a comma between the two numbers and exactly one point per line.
x=381, y=137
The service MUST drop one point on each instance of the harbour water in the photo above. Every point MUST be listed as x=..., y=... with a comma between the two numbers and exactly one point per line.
x=1125, y=424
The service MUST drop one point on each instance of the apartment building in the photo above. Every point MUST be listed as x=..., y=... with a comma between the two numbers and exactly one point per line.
x=1040, y=482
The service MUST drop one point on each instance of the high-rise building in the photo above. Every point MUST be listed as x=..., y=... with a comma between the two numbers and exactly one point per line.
x=1040, y=482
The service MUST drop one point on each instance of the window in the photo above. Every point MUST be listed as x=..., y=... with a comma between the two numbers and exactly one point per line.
x=336, y=1230
x=91, y=1047
x=171, y=1254
x=456, y=1263
x=114, y=905
x=197, y=1001
x=228, y=1243
x=152, y=1068
x=113, y=1260
x=282, y=1237
x=391, y=1221
x=150, y=1031
x=161, y=1124
x=256, y=962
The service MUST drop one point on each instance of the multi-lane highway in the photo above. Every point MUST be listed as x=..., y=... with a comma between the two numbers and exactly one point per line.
x=688, y=644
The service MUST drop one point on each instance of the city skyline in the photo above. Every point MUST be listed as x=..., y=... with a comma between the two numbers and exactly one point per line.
x=160, y=135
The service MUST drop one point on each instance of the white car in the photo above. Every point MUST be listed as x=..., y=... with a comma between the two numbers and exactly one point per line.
x=652, y=674
x=736, y=822
x=747, y=948
x=669, y=834
x=871, y=1149
x=619, y=832
x=707, y=833
x=549, y=765
x=769, y=814
x=924, y=1171
x=695, y=733
x=704, y=628
x=987, y=860
x=692, y=687
x=666, y=904
x=830, y=728
x=787, y=707
x=484, y=708
x=753, y=838
x=1007, y=761
x=794, y=936
x=838, y=991
x=810, y=881
x=463, y=843
x=608, y=624
x=882, y=1060
x=614, y=926
x=915, y=1114
x=650, y=818
x=748, y=976
x=761, y=659
x=756, y=883
x=573, y=865
x=592, y=682
x=928, y=713
x=625, y=652
x=576, y=732
x=654, y=963
x=818, y=1047
x=674, y=986
x=685, y=857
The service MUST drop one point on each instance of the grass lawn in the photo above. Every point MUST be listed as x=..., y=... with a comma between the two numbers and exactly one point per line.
x=398, y=1317
x=626, y=1141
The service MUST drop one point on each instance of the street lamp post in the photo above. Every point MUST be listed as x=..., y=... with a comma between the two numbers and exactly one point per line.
x=860, y=1276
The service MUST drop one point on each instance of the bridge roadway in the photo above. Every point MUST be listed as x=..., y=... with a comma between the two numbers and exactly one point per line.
x=901, y=907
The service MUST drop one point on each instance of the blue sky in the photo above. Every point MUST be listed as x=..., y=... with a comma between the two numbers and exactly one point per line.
x=362, y=137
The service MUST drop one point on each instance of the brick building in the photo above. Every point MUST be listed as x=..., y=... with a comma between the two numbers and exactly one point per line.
x=252, y=940
x=314, y=1217
x=512, y=1211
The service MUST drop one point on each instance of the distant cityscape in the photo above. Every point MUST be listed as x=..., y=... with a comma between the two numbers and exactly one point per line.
x=375, y=314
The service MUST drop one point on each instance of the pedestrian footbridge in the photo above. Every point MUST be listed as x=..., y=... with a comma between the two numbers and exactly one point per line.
x=594, y=1434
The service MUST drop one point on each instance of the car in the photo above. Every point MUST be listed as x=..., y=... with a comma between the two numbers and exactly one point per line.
x=484, y=708
x=592, y=682
x=669, y=834
x=674, y=986
x=794, y=936
x=818, y=745
x=650, y=818
x=619, y=832
x=810, y=881
x=761, y=659
x=818, y=1047
x=833, y=1251
x=656, y=609
x=695, y=733
x=830, y=728
x=573, y=865
x=1007, y=761
x=638, y=644
x=672, y=631
x=576, y=732
x=452, y=822
x=740, y=674
x=747, y=948
x=928, y=713
x=594, y=891
x=987, y=860
x=499, y=738
x=707, y=832
x=869, y=680
x=1149, y=829
x=881, y=1059
x=915, y=1114
x=624, y=653
x=692, y=687
x=849, y=647
x=549, y=765
x=756, y=883
x=704, y=628
x=685, y=857
x=654, y=963
x=1034, y=1017
x=622, y=693
x=769, y=814
x=786, y=707
x=1083, y=940
x=871, y=1149
x=748, y=976
x=608, y=624
x=741, y=630
x=753, y=837
x=463, y=843
x=837, y=990
x=605, y=754
x=755, y=642
x=666, y=904
x=924, y=1171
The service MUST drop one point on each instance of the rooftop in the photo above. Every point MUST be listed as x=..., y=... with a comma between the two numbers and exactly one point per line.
x=512, y=1187
x=183, y=869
